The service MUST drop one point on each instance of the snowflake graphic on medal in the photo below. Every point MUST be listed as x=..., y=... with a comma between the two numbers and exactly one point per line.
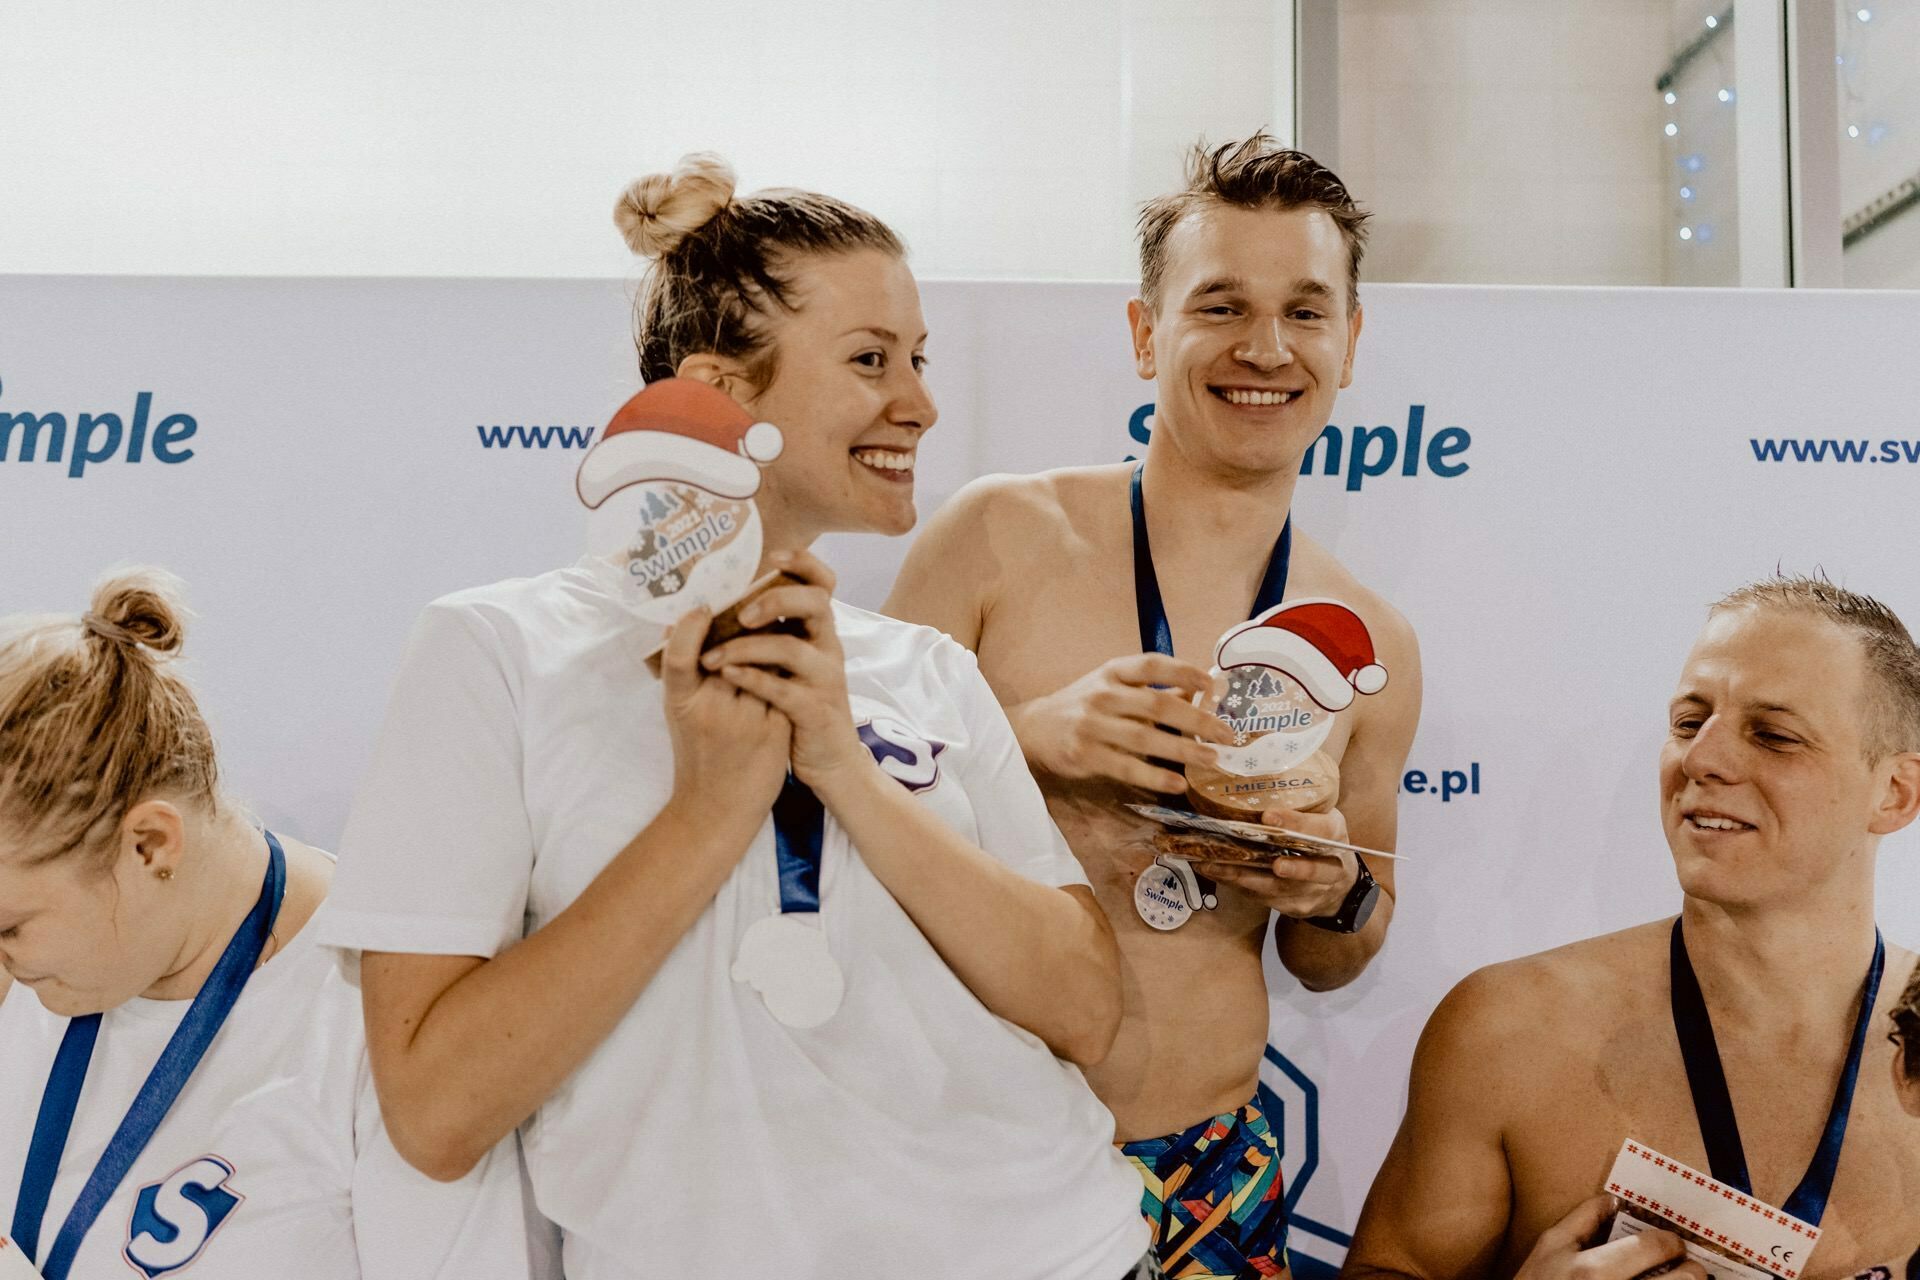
x=669, y=495
x=1279, y=681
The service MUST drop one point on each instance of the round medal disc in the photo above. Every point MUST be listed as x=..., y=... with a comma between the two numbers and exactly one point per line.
x=1157, y=896
x=785, y=958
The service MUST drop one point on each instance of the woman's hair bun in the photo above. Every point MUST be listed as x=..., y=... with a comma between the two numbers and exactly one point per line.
x=660, y=210
x=139, y=606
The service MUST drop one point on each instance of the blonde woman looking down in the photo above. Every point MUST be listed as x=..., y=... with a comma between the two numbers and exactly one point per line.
x=185, y=1075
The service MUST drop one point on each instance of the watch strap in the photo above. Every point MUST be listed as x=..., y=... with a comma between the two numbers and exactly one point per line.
x=1356, y=907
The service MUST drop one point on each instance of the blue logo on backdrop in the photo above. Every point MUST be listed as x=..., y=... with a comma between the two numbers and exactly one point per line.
x=1830, y=450
x=520, y=436
x=1448, y=785
x=174, y=1218
x=1291, y=1101
x=1365, y=452
x=902, y=754
x=26, y=436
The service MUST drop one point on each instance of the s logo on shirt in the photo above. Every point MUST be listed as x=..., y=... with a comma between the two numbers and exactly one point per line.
x=175, y=1217
x=902, y=754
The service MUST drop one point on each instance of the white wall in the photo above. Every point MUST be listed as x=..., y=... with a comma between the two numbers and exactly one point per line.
x=352, y=137
x=1499, y=141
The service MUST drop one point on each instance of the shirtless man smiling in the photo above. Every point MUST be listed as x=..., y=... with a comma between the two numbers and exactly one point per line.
x=1793, y=745
x=1246, y=324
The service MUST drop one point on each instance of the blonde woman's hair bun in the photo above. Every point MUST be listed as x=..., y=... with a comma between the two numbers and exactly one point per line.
x=658, y=211
x=138, y=607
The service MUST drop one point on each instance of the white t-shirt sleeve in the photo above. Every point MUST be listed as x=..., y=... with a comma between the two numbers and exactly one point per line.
x=438, y=850
x=1008, y=808
x=408, y=1227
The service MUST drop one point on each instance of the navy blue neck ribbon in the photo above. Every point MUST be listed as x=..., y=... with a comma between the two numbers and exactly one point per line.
x=188, y=1045
x=1156, y=634
x=1719, y=1130
x=799, y=827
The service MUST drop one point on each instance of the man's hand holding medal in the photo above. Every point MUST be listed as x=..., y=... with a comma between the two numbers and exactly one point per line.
x=1131, y=719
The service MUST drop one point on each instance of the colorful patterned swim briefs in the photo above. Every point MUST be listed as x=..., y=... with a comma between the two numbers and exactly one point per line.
x=1214, y=1198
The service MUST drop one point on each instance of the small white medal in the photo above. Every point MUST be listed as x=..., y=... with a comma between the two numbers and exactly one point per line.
x=785, y=958
x=1168, y=893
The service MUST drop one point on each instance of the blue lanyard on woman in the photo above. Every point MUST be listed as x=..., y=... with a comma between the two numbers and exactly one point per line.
x=1719, y=1130
x=1156, y=635
x=169, y=1076
x=799, y=827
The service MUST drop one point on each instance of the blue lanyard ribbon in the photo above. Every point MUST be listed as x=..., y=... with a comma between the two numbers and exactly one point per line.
x=799, y=827
x=1712, y=1103
x=169, y=1076
x=1156, y=634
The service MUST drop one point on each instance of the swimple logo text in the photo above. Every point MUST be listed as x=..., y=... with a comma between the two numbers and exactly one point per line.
x=175, y=1217
x=518, y=436
x=27, y=436
x=1907, y=451
x=1363, y=453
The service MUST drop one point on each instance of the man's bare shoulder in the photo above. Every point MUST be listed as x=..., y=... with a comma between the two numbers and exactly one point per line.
x=992, y=540
x=1553, y=997
x=1321, y=573
x=1037, y=502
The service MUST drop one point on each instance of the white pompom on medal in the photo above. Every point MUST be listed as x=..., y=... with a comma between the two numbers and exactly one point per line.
x=785, y=958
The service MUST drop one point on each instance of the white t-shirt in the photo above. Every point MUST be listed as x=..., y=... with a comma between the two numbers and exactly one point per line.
x=913, y=1133
x=272, y=1163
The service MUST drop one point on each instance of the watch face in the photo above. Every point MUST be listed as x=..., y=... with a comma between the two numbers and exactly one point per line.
x=1364, y=909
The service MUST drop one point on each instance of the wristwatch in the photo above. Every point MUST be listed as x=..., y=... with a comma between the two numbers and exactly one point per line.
x=1358, y=905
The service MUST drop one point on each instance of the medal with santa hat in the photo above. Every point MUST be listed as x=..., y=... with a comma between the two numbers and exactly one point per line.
x=1278, y=682
x=669, y=492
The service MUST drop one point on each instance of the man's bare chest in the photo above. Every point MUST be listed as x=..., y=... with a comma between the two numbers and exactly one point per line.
x=1562, y=1145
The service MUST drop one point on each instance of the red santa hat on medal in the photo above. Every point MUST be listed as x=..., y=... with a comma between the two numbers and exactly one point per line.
x=1321, y=643
x=679, y=429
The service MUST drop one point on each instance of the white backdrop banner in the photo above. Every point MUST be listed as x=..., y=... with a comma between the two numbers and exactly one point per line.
x=1551, y=484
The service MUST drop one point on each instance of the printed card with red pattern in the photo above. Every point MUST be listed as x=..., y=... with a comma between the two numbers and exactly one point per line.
x=1732, y=1234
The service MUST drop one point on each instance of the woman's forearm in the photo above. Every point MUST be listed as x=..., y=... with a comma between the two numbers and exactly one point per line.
x=1041, y=957
x=465, y=1049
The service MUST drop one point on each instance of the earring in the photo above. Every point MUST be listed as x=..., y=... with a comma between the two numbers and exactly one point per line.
x=164, y=873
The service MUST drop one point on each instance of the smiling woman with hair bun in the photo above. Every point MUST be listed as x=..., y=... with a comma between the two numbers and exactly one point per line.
x=184, y=1070
x=775, y=957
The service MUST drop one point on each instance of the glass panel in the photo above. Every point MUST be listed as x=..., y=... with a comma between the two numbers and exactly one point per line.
x=1879, y=93
x=1516, y=142
x=1702, y=193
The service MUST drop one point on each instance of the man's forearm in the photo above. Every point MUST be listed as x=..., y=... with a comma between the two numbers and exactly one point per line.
x=1323, y=960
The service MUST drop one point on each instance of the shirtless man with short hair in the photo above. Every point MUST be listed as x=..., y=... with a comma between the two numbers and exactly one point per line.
x=1793, y=746
x=1246, y=324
